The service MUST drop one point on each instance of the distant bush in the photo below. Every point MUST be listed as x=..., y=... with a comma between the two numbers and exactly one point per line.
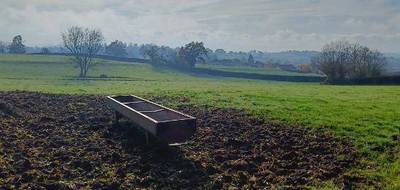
x=45, y=51
x=305, y=68
x=17, y=45
x=116, y=48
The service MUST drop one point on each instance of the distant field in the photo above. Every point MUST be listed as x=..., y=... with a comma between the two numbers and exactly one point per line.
x=244, y=69
x=370, y=115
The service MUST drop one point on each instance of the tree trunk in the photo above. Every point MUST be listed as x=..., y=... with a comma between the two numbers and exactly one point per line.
x=82, y=73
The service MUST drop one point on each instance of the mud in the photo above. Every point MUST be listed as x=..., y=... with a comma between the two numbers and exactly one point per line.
x=70, y=142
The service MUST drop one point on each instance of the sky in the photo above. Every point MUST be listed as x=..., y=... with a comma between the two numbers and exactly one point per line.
x=236, y=25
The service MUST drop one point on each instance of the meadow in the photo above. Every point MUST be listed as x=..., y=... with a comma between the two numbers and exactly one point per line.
x=367, y=115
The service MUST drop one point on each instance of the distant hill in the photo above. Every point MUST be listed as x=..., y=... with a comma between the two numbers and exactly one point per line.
x=285, y=57
x=292, y=57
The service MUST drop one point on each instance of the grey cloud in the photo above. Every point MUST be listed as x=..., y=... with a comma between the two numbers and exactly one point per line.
x=269, y=25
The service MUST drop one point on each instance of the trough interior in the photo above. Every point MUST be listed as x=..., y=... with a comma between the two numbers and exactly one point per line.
x=144, y=106
x=159, y=114
x=126, y=99
x=165, y=115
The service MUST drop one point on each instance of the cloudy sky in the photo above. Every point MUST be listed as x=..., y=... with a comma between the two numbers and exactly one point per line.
x=266, y=25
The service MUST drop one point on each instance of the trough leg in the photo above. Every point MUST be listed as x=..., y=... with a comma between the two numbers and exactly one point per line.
x=147, y=137
x=117, y=117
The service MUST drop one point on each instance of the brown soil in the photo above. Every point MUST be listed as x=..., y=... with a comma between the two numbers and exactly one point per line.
x=69, y=142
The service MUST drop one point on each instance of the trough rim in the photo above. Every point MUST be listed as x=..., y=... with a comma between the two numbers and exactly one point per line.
x=188, y=117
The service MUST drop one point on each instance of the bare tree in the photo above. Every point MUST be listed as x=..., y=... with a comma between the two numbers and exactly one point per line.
x=84, y=44
x=342, y=61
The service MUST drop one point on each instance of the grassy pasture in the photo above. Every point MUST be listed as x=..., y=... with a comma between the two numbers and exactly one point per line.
x=369, y=115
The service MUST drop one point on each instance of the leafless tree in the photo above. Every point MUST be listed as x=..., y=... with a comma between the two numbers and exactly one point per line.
x=84, y=44
x=342, y=61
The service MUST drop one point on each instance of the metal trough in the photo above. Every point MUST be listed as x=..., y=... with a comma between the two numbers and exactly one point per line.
x=164, y=123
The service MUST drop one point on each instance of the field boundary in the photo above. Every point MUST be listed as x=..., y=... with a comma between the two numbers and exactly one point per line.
x=255, y=76
x=105, y=57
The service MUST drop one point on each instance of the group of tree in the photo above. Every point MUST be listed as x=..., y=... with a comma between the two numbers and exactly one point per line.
x=16, y=46
x=84, y=44
x=116, y=48
x=343, y=62
x=45, y=51
x=183, y=57
x=155, y=54
x=192, y=53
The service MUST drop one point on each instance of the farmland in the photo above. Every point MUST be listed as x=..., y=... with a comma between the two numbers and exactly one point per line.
x=369, y=116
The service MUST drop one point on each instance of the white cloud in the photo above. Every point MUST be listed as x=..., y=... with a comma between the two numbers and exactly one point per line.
x=269, y=25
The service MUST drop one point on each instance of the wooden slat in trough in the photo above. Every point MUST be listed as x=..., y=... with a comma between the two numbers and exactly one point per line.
x=164, y=123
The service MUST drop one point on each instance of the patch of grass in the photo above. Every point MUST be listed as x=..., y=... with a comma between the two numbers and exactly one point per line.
x=369, y=115
x=18, y=58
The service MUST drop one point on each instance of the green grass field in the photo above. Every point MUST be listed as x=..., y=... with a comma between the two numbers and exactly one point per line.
x=369, y=115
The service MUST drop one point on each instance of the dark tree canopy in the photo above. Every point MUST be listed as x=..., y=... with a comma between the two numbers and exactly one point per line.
x=192, y=53
x=153, y=53
x=250, y=61
x=342, y=61
x=84, y=44
x=220, y=51
x=3, y=47
x=45, y=51
x=17, y=45
x=116, y=48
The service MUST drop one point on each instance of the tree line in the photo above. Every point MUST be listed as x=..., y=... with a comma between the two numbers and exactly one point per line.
x=340, y=61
